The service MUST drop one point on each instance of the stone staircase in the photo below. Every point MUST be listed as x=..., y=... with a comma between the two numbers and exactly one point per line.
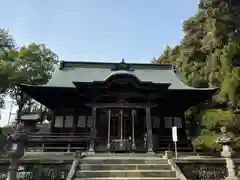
x=124, y=167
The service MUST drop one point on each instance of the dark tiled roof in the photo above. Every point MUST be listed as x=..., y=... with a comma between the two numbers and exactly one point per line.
x=92, y=71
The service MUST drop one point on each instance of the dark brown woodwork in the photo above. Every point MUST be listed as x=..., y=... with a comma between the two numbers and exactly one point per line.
x=149, y=129
x=75, y=121
x=122, y=105
x=93, y=130
x=52, y=122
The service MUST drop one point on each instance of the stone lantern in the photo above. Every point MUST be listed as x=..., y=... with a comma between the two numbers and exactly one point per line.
x=15, y=150
x=226, y=139
x=30, y=121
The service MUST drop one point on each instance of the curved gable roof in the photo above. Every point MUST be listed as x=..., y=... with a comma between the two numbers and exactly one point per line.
x=90, y=72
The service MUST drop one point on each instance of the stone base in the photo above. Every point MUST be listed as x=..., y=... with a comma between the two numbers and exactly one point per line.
x=91, y=151
x=231, y=178
x=168, y=155
x=151, y=152
x=226, y=151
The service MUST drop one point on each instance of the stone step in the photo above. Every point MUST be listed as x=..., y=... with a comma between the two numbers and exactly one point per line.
x=125, y=173
x=125, y=167
x=129, y=178
x=123, y=161
x=123, y=155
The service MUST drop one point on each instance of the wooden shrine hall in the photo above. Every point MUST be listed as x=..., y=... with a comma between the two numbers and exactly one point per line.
x=115, y=106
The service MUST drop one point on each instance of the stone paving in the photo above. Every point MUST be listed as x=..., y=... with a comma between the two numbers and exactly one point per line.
x=125, y=166
x=68, y=156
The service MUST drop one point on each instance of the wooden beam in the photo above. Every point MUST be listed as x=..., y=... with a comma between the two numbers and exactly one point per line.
x=121, y=105
x=132, y=94
x=124, y=95
x=149, y=130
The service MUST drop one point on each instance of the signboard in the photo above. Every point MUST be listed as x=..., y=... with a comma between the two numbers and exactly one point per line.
x=174, y=134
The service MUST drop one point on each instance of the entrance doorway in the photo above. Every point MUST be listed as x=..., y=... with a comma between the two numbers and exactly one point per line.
x=121, y=124
x=121, y=129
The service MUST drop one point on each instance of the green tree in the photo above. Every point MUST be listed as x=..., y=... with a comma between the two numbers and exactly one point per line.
x=7, y=67
x=205, y=58
x=32, y=64
x=35, y=65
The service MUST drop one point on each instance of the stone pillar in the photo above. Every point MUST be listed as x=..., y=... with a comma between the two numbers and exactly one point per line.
x=93, y=131
x=149, y=130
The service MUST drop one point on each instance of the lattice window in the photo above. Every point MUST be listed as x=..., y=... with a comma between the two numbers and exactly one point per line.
x=178, y=122
x=68, y=121
x=81, y=121
x=58, y=122
x=90, y=121
x=168, y=122
x=155, y=122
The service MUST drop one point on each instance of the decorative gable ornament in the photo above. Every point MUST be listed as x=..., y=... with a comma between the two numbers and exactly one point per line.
x=122, y=66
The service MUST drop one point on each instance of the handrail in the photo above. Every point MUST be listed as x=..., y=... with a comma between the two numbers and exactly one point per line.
x=49, y=136
x=67, y=134
x=74, y=166
x=57, y=135
x=175, y=167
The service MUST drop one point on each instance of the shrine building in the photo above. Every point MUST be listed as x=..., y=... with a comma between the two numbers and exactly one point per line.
x=116, y=107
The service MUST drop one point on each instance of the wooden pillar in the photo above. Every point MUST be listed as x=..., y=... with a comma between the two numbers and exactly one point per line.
x=93, y=131
x=109, y=130
x=133, y=129
x=149, y=130
x=75, y=120
x=52, y=123
x=121, y=126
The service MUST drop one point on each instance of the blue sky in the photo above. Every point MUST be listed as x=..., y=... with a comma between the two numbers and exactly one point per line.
x=98, y=30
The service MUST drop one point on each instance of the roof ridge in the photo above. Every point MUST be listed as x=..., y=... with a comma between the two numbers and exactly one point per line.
x=72, y=64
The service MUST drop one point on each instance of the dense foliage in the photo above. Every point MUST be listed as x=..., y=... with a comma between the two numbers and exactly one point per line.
x=207, y=57
x=31, y=64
